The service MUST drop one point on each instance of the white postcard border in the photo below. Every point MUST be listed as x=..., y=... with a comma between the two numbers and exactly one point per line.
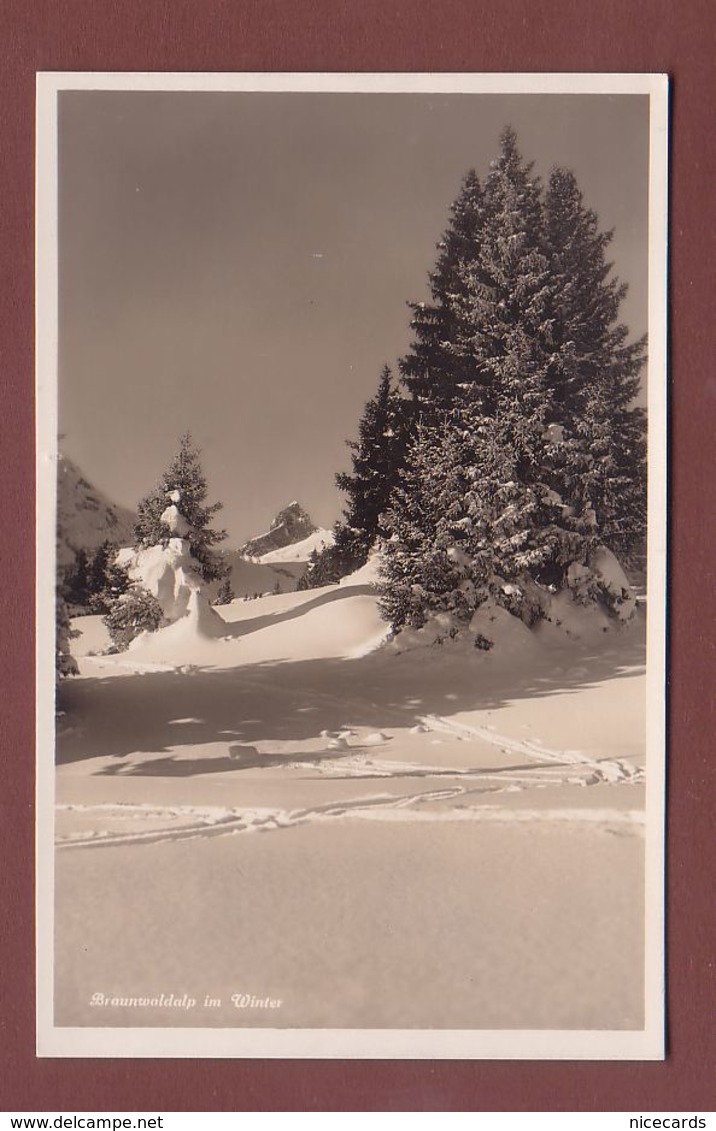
x=56, y=1041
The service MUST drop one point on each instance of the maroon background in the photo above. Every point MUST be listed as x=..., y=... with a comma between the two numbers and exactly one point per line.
x=380, y=35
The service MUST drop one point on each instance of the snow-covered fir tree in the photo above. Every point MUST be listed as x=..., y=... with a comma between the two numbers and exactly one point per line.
x=603, y=459
x=377, y=457
x=330, y=563
x=184, y=480
x=518, y=470
x=503, y=338
x=436, y=556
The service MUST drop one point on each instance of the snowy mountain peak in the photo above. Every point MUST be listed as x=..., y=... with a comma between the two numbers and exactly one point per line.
x=291, y=524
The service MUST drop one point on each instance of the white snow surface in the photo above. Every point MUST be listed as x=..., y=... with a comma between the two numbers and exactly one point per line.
x=411, y=804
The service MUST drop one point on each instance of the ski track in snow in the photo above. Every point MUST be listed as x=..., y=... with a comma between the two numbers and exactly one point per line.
x=607, y=770
x=593, y=770
x=214, y=821
x=543, y=767
x=554, y=768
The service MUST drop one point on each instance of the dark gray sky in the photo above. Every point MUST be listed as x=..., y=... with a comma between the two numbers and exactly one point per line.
x=239, y=264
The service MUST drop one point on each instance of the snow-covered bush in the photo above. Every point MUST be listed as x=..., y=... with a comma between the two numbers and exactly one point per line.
x=134, y=612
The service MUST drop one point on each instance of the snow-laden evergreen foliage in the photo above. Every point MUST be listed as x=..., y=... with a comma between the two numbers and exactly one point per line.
x=440, y=360
x=185, y=477
x=377, y=457
x=604, y=463
x=331, y=562
x=436, y=557
x=107, y=579
x=92, y=582
x=528, y=457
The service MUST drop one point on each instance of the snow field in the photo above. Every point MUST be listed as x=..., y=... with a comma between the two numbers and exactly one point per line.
x=447, y=837
x=455, y=925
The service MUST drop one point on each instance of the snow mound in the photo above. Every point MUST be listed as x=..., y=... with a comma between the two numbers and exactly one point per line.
x=167, y=573
x=614, y=584
x=198, y=622
x=491, y=629
x=598, y=599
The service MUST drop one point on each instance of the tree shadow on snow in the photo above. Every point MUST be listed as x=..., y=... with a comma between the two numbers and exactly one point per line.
x=237, y=759
x=289, y=701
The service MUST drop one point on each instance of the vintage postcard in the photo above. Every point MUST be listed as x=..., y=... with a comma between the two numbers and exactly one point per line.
x=351, y=535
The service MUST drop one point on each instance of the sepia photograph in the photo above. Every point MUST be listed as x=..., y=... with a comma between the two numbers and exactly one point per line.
x=351, y=526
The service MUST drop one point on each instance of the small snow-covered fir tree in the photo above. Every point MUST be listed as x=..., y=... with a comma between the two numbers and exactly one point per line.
x=326, y=566
x=226, y=593
x=185, y=482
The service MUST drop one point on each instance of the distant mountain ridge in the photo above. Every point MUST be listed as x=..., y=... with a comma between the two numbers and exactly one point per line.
x=292, y=524
x=85, y=516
